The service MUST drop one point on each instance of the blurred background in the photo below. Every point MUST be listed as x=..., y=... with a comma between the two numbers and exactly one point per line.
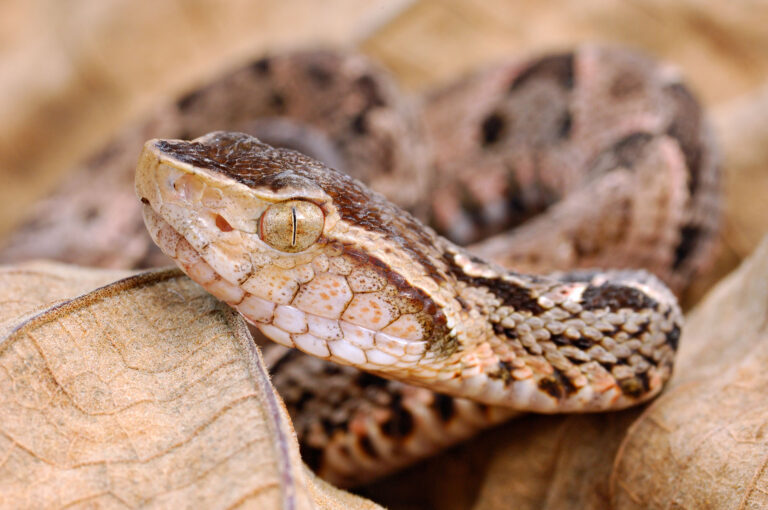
x=73, y=73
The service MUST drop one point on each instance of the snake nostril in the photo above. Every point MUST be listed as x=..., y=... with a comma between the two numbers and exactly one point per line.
x=223, y=224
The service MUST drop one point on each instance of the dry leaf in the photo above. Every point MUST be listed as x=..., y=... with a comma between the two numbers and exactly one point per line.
x=555, y=463
x=29, y=288
x=703, y=444
x=146, y=392
x=742, y=127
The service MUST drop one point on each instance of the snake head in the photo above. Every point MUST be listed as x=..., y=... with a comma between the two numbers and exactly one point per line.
x=230, y=192
x=308, y=254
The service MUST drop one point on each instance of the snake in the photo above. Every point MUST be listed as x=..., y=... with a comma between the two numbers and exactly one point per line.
x=596, y=157
x=317, y=261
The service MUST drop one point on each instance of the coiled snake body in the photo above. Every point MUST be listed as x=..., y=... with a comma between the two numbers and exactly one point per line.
x=599, y=157
x=319, y=262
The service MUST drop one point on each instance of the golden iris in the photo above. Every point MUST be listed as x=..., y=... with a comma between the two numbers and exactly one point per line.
x=291, y=226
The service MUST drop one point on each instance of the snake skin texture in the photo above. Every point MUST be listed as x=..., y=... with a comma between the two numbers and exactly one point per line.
x=601, y=157
x=375, y=289
x=598, y=157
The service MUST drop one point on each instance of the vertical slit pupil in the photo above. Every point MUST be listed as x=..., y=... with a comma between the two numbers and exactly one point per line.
x=293, y=219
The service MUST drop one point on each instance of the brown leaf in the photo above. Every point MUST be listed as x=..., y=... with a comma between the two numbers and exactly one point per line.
x=703, y=444
x=555, y=462
x=145, y=392
x=29, y=288
x=742, y=126
x=535, y=462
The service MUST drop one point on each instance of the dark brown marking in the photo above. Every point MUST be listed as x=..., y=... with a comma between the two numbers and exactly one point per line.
x=261, y=66
x=444, y=406
x=405, y=290
x=277, y=101
x=144, y=201
x=505, y=370
x=370, y=90
x=557, y=385
x=626, y=153
x=366, y=446
x=328, y=368
x=614, y=297
x=492, y=129
x=508, y=293
x=321, y=76
x=519, y=298
x=690, y=236
x=631, y=149
x=90, y=214
x=673, y=337
x=556, y=67
x=549, y=385
x=609, y=366
x=583, y=343
x=366, y=380
x=328, y=427
x=312, y=457
x=564, y=131
x=359, y=124
x=304, y=398
x=188, y=100
x=471, y=206
x=642, y=328
x=523, y=203
x=635, y=386
x=400, y=423
x=501, y=330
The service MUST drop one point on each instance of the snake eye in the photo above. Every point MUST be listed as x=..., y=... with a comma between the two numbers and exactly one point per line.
x=291, y=226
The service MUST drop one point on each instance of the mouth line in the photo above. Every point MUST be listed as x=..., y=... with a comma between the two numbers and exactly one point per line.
x=331, y=339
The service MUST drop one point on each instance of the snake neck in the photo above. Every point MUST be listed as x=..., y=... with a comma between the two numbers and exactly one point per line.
x=615, y=330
